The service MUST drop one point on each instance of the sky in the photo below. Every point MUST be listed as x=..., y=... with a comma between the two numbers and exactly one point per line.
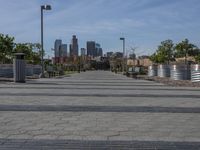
x=143, y=23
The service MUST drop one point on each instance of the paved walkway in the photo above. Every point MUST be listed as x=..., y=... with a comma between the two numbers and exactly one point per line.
x=98, y=110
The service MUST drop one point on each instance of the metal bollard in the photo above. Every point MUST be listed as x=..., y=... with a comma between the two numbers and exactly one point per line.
x=19, y=68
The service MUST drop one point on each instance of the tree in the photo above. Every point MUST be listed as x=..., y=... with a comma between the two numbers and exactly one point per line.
x=6, y=48
x=24, y=48
x=185, y=49
x=197, y=58
x=164, y=53
x=154, y=58
x=31, y=56
x=36, y=52
x=166, y=50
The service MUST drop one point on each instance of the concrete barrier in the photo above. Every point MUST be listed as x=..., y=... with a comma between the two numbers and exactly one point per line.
x=6, y=70
x=29, y=70
x=37, y=70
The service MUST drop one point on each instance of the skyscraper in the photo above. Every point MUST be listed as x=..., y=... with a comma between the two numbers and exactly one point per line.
x=94, y=49
x=83, y=52
x=91, y=47
x=100, y=52
x=74, y=46
x=57, y=45
x=63, y=50
x=97, y=47
x=60, y=51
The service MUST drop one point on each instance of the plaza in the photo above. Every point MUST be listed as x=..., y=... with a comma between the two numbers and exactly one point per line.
x=98, y=110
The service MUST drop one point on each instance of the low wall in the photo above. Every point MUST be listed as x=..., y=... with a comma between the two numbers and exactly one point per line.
x=6, y=70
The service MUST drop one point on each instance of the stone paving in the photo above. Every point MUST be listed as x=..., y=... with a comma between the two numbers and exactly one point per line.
x=98, y=110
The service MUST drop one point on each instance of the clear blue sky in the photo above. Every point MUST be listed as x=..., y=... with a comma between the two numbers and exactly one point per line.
x=144, y=23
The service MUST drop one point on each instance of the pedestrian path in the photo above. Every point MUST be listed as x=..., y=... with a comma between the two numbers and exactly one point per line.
x=98, y=110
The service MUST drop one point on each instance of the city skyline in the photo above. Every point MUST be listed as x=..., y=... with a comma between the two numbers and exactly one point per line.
x=143, y=23
x=61, y=50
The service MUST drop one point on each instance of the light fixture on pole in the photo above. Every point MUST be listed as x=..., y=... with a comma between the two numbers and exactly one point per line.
x=123, y=65
x=43, y=7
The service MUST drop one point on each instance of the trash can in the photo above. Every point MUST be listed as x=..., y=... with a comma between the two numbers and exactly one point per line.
x=19, y=68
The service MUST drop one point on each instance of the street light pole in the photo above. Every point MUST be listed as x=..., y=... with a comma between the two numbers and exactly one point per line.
x=43, y=7
x=42, y=47
x=123, y=65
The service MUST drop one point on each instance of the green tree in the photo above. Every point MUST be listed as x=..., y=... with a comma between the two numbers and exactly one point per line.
x=154, y=58
x=165, y=52
x=31, y=55
x=36, y=53
x=197, y=58
x=185, y=49
x=6, y=48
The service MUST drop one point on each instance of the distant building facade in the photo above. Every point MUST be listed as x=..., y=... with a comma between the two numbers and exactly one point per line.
x=140, y=61
x=94, y=49
x=90, y=48
x=74, y=46
x=57, y=45
x=109, y=54
x=60, y=52
x=63, y=50
x=99, y=51
x=118, y=55
x=83, y=52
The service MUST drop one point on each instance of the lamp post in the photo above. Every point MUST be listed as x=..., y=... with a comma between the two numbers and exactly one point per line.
x=123, y=65
x=43, y=7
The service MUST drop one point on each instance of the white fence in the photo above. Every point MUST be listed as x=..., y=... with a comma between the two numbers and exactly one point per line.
x=6, y=70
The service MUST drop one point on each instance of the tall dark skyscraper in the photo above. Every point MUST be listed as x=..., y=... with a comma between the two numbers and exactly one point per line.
x=60, y=49
x=94, y=49
x=63, y=50
x=83, y=52
x=74, y=46
x=99, y=50
x=57, y=45
x=91, y=46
